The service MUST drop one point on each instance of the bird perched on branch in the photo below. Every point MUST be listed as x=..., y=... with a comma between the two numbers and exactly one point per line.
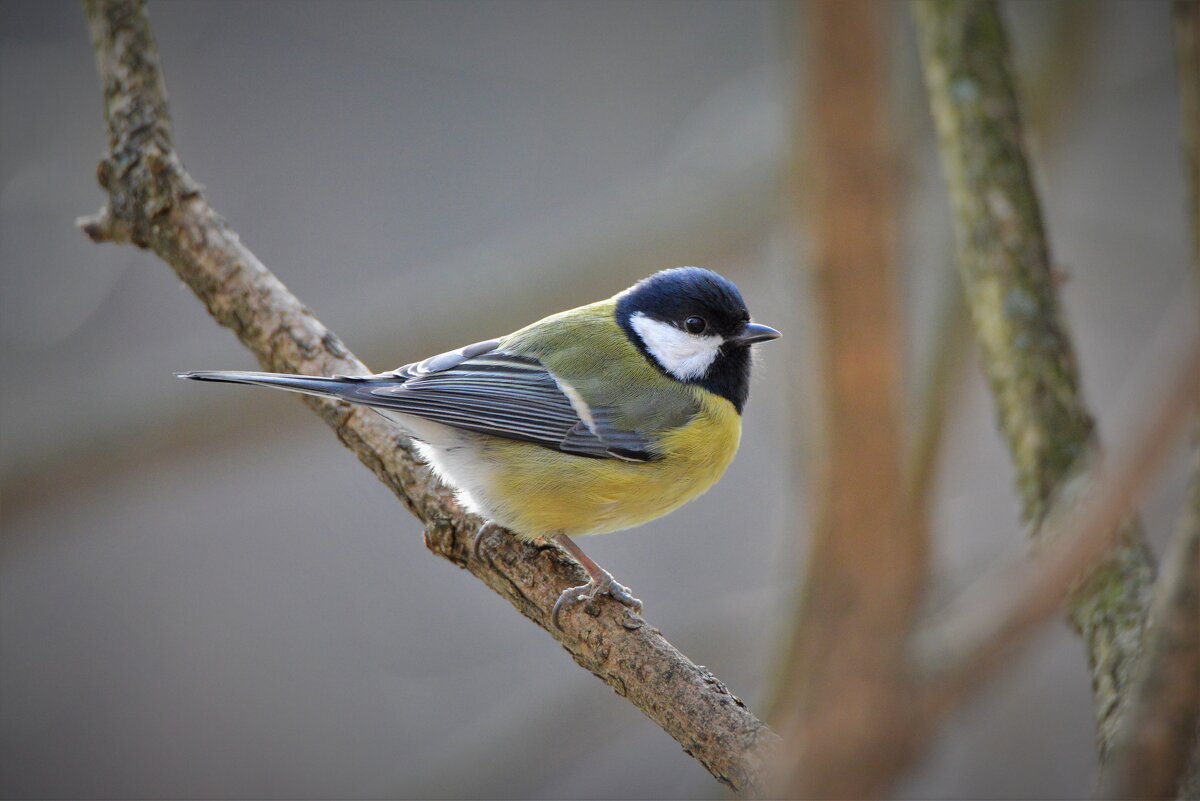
x=592, y=420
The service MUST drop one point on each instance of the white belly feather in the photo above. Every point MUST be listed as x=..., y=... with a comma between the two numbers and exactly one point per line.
x=455, y=457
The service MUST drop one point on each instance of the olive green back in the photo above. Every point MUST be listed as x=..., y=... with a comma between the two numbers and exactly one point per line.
x=586, y=348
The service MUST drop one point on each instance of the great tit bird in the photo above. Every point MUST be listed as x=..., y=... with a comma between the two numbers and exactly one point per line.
x=592, y=420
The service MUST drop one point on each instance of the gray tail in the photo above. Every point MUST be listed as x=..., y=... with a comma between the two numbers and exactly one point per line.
x=343, y=388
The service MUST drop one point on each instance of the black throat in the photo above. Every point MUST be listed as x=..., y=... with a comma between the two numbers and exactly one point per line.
x=729, y=375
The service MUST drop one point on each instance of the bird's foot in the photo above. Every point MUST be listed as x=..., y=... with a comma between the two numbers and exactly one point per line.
x=486, y=529
x=602, y=584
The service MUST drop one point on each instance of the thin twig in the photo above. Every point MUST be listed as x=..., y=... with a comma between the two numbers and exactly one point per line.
x=957, y=654
x=154, y=204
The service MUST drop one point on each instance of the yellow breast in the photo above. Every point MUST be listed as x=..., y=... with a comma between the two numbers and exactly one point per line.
x=538, y=492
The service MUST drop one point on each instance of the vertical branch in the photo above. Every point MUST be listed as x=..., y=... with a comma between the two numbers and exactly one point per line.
x=844, y=706
x=1157, y=752
x=1059, y=66
x=1004, y=261
x=1155, y=740
x=1003, y=253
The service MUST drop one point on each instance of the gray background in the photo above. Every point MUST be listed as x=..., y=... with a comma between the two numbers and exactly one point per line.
x=202, y=594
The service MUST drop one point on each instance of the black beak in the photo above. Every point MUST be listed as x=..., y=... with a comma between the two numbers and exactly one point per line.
x=753, y=332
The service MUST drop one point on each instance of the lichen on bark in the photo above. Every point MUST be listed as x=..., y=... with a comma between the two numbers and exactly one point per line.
x=1004, y=260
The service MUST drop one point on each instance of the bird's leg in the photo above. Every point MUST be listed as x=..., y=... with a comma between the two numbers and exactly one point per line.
x=600, y=582
x=487, y=528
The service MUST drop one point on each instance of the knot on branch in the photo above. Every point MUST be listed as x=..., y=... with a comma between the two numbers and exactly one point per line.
x=440, y=539
x=145, y=180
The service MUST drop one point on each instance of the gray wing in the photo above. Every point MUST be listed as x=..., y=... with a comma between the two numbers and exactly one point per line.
x=485, y=390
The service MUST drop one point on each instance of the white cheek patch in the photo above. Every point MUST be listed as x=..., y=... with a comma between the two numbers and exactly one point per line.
x=683, y=355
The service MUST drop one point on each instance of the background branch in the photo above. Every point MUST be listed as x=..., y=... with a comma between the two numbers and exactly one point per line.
x=1004, y=261
x=154, y=204
x=959, y=653
x=846, y=709
x=1153, y=744
x=1161, y=732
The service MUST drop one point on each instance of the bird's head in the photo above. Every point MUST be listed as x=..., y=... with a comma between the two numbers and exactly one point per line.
x=694, y=326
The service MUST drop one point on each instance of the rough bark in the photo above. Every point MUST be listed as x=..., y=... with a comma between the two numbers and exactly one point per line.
x=1155, y=740
x=154, y=204
x=1005, y=265
x=846, y=710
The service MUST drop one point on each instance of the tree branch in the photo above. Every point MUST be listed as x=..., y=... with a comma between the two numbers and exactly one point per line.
x=154, y=204
x=1004, y=261
x=1151, y=749
x=1161, y=730
x=846, y=711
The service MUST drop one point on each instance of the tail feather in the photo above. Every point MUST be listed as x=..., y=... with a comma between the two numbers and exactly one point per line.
x=342, y=388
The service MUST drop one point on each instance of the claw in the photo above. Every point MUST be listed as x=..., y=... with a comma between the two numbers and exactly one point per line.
x=601, y=585
x=487, y=528
x=623, y=596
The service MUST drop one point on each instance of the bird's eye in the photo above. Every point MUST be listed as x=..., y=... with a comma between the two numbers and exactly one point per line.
x=695, y=325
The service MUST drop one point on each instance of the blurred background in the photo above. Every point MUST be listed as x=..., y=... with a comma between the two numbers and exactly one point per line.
x=202, y=594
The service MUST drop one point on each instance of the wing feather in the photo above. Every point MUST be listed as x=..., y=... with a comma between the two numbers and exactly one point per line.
x=482, y=389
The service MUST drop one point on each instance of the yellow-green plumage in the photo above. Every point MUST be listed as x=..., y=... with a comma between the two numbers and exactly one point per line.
x=597, y=419
x=587, y=349
x=552, y=492
x=589, y=421
x=538, y=492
